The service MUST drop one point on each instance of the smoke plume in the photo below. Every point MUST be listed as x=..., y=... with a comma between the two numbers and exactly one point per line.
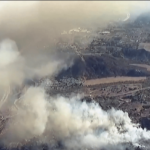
x=11, y=64
x=76, y=124
x=36, y=25
x=33, y=29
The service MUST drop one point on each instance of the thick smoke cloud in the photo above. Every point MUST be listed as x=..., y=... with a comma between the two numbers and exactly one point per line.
x=16, y=69
x=76, y=124
x=35, y=28
x=11, y=64
x=35, y=25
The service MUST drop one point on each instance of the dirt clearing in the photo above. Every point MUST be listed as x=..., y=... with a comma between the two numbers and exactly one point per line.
x=112, y=80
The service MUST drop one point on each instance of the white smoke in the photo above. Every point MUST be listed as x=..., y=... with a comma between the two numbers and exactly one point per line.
x=78, y=125
x=16, y=68
x=31, y=117
x=11, y=64
x=8, y=52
